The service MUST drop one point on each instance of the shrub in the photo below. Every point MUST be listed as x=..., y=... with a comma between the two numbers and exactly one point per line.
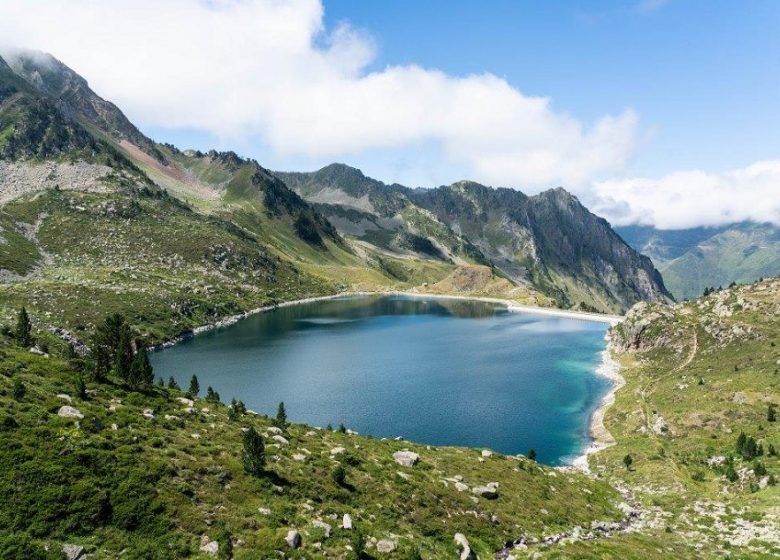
x=253, y=455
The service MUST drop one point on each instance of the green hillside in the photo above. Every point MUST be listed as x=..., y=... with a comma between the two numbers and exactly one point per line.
x=699, y=258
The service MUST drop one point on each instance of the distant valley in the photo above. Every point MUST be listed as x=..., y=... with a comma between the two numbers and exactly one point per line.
x=691, y=260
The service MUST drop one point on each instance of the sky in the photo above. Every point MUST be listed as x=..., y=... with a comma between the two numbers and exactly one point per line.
x=659, y=112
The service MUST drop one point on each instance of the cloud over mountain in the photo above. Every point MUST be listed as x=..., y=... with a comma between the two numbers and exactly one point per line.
x=693, y=198
x=270, y=70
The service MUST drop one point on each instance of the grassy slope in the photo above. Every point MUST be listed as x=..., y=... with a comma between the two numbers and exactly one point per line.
x=119, y=481
x=729, y=341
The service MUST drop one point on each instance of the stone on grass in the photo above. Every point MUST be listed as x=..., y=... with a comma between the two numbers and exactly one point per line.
x=489, y=492
x=69, y=412
x=464, y=547
x=486, y=453
x=208, y=546
x=264, y=511
x=280, y=440
x=274, y=430
x=324, y=526
x=73, y=551
x=337, y=451
x=346, y=522
x=460, y=487
x=406, y=458
x=293, y=539
x=385, y=546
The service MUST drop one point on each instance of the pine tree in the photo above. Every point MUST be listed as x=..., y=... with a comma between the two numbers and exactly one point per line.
x=141, y=373
x=212, y=395
x=532, y=454
x=172, y=383
x=194, y=387
x=281, y=415
x=253, y=455
x=23, y=329
x=628, y=460
x=771, y=413
x=123, y=356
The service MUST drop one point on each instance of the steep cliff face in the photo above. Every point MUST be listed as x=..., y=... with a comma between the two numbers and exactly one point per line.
x=549, y=241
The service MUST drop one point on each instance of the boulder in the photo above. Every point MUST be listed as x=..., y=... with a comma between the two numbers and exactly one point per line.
x=274, y=430
x=69, y=412
x=148, y=413
x=337, y=451
x=489, y=491
x=385, y=546
x=64, y=397
x=324, y=526
x=209, y=547
x=280, y=440
x=406, y=458
x=486, y=453
x=346, y=522
x=73, y=551
x=293, y=539
x=460, y=487
x=264, y=511
x=464, y=547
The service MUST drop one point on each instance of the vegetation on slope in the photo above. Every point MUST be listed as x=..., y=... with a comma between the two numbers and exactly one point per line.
x=148, y=474
x=698, y=375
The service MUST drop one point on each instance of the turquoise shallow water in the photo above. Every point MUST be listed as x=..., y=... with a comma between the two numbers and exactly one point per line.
x=443, y=372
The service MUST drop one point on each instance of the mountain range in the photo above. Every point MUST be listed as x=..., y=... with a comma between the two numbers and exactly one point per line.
x=63, y=147
x=691, y=260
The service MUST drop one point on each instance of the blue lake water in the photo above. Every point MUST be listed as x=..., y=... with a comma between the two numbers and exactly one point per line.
x=436, y=371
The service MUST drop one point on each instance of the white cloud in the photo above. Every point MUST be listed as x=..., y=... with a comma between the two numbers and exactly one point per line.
x=693, y=198
x=268, y=69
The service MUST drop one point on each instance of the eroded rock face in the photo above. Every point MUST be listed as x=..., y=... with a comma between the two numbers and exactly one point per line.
x=406, y=458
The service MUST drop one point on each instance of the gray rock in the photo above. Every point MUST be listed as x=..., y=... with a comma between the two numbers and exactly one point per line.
x=385, y=546
x=337, y=451
x=280, y=440
x=346, y=522
x=293, y=539
x=324, y=526
x=69, y=412
x=465, y=548
x=73, y=551
x=488, y=492
x=406, y=458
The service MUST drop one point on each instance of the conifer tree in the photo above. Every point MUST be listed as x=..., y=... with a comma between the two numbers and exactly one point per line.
x=123, y=357
x=253, y=454
x=628, y=460
x=172, y=383
x=23, y=329
x=141, y=373
x=281, y=415
x=194, y=387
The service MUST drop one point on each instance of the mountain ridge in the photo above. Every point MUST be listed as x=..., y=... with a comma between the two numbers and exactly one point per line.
x=512, y=231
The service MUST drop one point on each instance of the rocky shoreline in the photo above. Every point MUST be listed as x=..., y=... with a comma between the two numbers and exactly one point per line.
x=601, y=438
